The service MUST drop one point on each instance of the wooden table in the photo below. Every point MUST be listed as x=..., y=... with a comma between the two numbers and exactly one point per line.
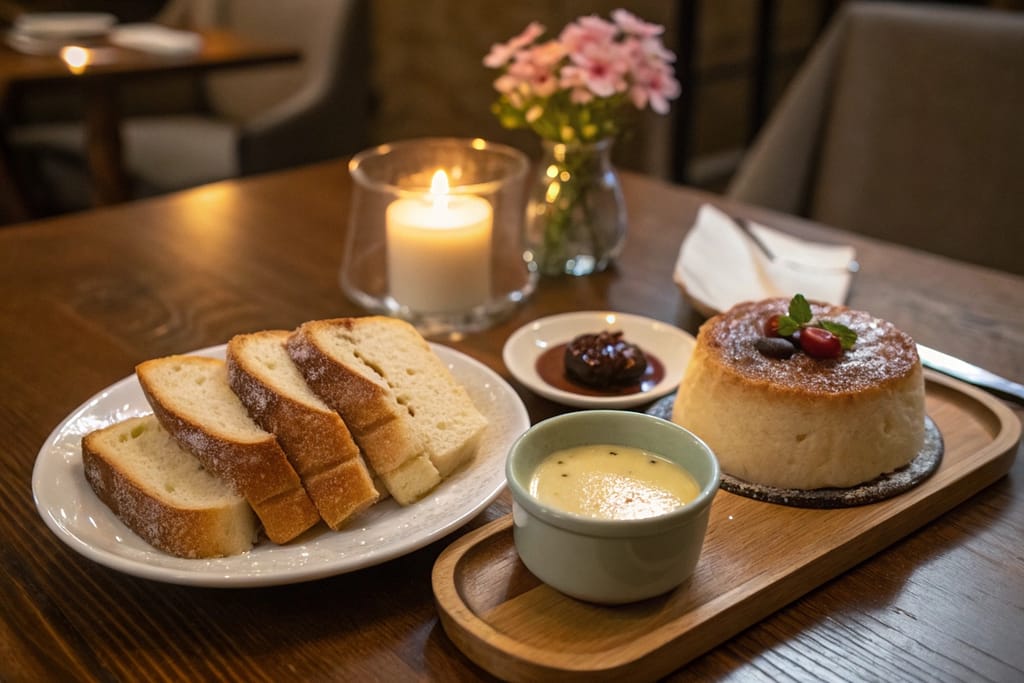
x=84, y=298
x=110, y=68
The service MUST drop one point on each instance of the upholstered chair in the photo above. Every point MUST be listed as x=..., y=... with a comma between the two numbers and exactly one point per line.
x=248, y=120
x=905, y=123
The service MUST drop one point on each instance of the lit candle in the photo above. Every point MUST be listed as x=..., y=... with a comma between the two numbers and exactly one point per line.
x=77, y=58
x=439, y=250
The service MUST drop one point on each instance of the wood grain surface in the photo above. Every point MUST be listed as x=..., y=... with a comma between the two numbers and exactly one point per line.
x=757, y=557
x=83, y=298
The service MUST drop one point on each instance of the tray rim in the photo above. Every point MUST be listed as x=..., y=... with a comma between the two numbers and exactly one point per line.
x=488, y=647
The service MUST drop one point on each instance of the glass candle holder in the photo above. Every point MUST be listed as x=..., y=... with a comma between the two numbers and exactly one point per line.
x=434, y=233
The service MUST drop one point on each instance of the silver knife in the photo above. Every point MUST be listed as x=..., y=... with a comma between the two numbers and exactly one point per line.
x=972, y=374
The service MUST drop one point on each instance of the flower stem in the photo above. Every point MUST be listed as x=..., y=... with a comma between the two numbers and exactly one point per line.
x=572, y=209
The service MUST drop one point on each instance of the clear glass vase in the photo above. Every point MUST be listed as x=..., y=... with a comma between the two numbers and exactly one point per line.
x=575, y=215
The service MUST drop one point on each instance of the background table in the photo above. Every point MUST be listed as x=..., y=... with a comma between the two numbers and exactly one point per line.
x=102, y=79
x=84, y=298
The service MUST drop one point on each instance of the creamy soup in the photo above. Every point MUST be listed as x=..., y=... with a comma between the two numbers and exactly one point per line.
x=612, y=482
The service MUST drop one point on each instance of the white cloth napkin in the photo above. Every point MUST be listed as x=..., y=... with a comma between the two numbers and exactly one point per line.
x=156, y=39
x=719, y=265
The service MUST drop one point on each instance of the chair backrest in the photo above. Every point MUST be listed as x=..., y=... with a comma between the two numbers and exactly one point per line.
x=905, y=124
x=290, y=114
x=317, y=27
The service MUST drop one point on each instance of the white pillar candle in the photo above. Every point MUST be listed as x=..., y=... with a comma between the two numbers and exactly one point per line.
x=439, y=250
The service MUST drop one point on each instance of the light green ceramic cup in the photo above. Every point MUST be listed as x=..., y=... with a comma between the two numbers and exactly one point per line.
x=610, y=561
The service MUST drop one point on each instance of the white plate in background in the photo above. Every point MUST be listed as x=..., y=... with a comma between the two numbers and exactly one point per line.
x=64, y=25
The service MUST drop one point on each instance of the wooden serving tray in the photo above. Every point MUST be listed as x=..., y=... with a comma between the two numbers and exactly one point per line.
x=757, y=557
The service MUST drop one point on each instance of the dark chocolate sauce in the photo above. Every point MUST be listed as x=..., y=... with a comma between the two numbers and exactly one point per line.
x=551, y=368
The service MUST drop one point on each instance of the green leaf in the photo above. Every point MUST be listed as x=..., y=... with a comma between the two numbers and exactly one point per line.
x=800, y=310
x=847, y=337
x=787, y=326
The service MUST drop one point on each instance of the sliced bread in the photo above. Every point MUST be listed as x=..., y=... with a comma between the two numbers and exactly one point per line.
x=313, y=436
x=414, y=422
x=163, y=493
x=191, y=397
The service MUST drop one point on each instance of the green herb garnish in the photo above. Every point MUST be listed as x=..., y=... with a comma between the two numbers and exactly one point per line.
x=800, y=316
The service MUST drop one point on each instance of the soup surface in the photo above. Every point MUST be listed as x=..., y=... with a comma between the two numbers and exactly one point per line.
x=612, y=482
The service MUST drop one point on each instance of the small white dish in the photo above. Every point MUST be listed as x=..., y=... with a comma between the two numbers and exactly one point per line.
x=156, y=39
x=667, y=343
x=64, y=25
x=73, y=512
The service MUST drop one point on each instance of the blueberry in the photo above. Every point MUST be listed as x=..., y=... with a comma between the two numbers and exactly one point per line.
x=774, y=347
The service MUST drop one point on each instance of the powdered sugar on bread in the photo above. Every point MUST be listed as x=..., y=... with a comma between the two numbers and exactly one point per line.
x=413, y=421
x=191, y=397
x=313, y=436
x=257, y=428
x=163, y=493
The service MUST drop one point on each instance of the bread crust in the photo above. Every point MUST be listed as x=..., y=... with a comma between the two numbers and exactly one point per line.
x=256, y=468
x=379, y=424
x=314, y=437
x=365, y=403
x=293, y=459
x=181, y=531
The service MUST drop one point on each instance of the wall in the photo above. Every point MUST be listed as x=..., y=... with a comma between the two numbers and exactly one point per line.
x=434, y=51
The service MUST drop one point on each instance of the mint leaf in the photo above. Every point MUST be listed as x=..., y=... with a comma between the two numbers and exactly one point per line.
x=801, y=316
x=847, y=337
x=787, y=326
x=800, y=310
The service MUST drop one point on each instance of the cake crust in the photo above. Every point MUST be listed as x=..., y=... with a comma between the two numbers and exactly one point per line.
x=882, y=355
x=802, y=422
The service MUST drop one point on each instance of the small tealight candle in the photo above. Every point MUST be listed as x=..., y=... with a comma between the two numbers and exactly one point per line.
x=76, y=58
x=439, y=249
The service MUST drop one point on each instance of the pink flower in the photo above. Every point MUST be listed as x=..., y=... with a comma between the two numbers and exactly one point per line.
x=654, y=83
x=534, y=68
x=652, y=80
x=543, y=82
x=633, y=25
x=547, y=54
x=586, y=32
x=501, y=53
x=506, y=83
x=603, y=69
x=575, y=87
x=573, y=79
x=648, y=50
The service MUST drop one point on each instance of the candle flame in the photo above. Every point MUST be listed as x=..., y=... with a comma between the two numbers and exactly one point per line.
x=439, y=189
x=439, y=183
x=77, y=58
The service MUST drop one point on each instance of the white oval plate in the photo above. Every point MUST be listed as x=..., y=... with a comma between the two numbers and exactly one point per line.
x=66, y=25
x=73, y=512
x=668, y=343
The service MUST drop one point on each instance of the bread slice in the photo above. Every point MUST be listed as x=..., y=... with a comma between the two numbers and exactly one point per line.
x=414, y=422
x=163, y=493
x=191, y=398
x=313, y=436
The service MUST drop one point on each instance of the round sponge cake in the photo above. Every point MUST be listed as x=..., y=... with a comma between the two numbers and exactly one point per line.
x=804, y=422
